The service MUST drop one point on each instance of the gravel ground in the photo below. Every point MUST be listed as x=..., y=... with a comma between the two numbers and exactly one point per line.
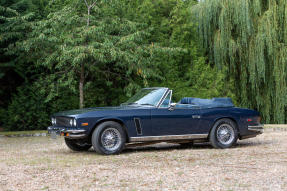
x=40, y=163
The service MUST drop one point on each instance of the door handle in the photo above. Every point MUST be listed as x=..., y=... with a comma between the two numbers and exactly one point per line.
x=170, y=108
x=196, y=116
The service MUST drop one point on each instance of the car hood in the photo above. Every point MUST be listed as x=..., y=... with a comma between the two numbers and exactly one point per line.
x=86, y=110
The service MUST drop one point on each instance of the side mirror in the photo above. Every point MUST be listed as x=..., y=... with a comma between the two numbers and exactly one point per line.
x=172, y=106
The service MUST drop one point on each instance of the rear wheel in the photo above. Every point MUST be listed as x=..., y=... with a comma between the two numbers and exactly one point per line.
x=77, y=145
x=223, y=134
x=109, y=138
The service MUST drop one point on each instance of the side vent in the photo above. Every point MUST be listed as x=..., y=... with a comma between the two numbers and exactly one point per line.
x=138, y=126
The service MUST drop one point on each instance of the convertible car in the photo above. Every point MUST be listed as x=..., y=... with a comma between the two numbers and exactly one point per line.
x=151, y=117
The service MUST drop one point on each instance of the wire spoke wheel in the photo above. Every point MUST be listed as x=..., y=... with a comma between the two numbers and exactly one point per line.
x=111, y=139
x=225, y=134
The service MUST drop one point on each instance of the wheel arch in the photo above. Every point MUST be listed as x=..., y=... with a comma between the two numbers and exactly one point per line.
x=225, y=117
x=114, y=119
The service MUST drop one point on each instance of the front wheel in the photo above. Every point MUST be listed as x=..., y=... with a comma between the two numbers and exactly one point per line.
x=109, y=138
x=223, y=134
x=76, y=145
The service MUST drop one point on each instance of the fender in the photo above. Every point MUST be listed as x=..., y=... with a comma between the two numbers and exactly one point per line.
x=109, y=118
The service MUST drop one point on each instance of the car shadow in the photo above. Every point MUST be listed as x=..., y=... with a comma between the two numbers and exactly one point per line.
x=252, y=144
x=159, y=147
x=165, y=147
x=197, y=146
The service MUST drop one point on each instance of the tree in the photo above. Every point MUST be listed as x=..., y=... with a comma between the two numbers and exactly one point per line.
x=249, y=38
x=15, y=17
x=82, y=75
x=74, y=46
x=13, y=27
x=187, y=72
x=98, y=53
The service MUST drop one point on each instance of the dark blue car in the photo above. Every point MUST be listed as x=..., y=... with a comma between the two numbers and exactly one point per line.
x=150, y=117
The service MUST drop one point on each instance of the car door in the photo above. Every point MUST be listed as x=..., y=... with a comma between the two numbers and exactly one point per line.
x=140, y=123
x=179, y=121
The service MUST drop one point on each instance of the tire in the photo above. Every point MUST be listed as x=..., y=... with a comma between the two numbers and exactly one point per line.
x=223, y=134
x=109, y=138
x=76, y=145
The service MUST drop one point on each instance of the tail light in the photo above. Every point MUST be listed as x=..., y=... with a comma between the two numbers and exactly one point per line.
x=254, y=119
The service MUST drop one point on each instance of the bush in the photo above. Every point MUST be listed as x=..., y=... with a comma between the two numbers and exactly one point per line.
x=2, y=116
x=27, y=111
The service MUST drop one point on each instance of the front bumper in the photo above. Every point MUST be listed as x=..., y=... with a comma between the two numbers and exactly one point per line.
x=69, y=133
x=256, y=128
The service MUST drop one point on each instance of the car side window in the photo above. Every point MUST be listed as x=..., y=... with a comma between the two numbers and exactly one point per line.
x=166, y=101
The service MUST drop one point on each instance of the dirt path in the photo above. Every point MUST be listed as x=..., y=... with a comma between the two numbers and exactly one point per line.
x=39, y=163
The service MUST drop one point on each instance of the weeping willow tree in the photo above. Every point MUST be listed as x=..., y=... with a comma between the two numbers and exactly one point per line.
x=249, y=37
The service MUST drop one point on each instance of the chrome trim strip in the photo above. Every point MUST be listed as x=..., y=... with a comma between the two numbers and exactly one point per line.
x=165, y=96
x=168, y=137
x=257, y=128
x=170, y=98
x=162, y=97
x=74, y=131
x=76, y=135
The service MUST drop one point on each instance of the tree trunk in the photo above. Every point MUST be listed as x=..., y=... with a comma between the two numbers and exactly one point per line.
x=81, y=86
x=82, y=75
x=88, y=19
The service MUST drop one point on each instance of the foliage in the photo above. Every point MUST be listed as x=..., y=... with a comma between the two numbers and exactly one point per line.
x=52, y=52
x=26, y=111
x=188, y=73
x=68, y=46
x=12, y=28
x=29, y=111
x=249, y=38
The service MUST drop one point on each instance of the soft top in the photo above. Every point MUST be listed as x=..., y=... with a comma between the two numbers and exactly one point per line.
x=214, y=102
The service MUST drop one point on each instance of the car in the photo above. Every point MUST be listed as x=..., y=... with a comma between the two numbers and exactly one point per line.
x=150, y=116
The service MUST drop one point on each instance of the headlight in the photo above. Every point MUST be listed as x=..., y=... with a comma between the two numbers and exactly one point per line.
x=53, y=121
x=73, y=122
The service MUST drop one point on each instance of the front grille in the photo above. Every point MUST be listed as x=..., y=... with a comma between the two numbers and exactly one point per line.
x=63, y=121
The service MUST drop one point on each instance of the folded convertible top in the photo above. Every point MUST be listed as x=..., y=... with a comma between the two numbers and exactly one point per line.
x=209, y=103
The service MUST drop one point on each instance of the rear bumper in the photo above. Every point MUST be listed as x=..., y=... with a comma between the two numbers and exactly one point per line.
x=252, y=131
x=256, y=128
x=69, y=133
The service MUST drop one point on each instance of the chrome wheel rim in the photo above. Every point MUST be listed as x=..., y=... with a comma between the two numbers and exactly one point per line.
x=111, y=139
x=225, y=134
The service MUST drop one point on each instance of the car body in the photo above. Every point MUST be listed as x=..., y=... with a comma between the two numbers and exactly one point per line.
x=151, y=117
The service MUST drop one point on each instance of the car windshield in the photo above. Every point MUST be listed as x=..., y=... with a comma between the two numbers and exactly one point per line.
x=147, y=96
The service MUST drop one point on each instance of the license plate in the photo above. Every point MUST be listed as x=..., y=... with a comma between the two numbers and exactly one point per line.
x=53, y=135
